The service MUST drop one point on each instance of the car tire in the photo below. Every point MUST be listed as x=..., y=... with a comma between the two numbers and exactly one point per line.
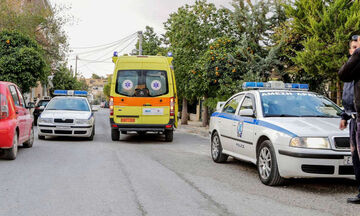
x=11, y=153
x=169, y=135
x=115, y=134
x=216, y=149
x=91, y=137
x=30, y=142
x=267, y=165
x=41, y=137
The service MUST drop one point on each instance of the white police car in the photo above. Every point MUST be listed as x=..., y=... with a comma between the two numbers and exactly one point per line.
x=285, y=130
x=67, y=114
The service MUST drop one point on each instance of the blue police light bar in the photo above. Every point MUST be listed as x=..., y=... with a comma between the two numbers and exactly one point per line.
x=80, y=93
x=169, y=54
x=274, y=85
x=60, y=92
x=304, y=86
x=115, y=54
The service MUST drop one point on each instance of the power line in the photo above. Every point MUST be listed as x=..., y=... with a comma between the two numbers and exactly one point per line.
x=108, y=46
x=90, y=47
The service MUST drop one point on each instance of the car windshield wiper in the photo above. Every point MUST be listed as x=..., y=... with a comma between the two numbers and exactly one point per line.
x=281, y=115
x=319, y=116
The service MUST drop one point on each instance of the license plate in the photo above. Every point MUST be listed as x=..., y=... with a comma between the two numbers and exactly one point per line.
x=127, y=120
x=63, y=127
x=153, y=111
x=348, y=160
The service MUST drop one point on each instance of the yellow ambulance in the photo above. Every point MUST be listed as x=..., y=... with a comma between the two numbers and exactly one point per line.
x=143, y=96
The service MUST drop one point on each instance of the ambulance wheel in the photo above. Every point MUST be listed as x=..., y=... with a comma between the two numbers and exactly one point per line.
x=115, y=134
x=216, y=149
x=169, y=135
x=267, y=165
x=11, y=153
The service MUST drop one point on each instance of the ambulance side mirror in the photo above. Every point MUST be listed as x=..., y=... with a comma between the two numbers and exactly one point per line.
x=247, y=113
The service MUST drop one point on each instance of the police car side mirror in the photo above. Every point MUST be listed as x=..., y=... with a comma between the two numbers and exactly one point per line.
x=219, y=105
x=94, y=108
x=30, y=105
x=247, y=113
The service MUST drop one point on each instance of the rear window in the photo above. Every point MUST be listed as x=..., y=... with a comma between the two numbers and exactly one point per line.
x=142, y=83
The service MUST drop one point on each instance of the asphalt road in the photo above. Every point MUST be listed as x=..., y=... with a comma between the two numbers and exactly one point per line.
x=143, y=175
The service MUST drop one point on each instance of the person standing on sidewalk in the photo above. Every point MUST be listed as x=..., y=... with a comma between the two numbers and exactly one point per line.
x=350, y=74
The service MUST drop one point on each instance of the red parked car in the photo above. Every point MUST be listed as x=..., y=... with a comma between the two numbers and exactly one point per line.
x=16, y=123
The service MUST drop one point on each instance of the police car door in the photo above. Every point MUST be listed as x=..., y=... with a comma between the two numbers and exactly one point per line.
x=243, y=131
x=226, y=119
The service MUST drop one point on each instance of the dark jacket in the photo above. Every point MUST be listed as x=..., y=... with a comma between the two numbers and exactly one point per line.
x=350, y=72
x=348, y=100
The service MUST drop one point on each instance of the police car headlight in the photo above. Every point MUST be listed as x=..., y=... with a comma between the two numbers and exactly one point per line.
x=310, y=142
x=45, y=120
x=83, y=121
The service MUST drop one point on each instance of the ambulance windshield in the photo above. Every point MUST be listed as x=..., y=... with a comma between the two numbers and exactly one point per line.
x=297, y=104
x=141, y=83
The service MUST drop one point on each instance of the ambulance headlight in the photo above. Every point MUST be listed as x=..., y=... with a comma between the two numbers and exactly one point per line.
x=310, y=142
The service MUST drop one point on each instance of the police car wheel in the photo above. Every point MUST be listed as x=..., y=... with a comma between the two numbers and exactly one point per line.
x=91, y=137
x=216, y=149
x=267, y=165
x=115, y=134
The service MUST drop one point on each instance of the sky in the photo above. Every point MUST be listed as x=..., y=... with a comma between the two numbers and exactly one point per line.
x=103, y=22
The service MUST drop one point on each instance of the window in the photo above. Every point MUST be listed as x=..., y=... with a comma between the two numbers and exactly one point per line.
x=142, y=83
x=14, y=95
x=21, y=98
x=65, y=103
x=247, y=104
x=230, y=107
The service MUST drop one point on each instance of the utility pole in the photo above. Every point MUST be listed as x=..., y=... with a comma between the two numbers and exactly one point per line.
x=140, y=35
x=76, y=59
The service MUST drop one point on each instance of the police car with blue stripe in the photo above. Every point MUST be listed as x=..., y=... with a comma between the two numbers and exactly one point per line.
x=287, y=131
x=67, y=114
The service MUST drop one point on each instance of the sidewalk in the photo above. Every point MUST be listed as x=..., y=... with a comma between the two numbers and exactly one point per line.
x=194, y=127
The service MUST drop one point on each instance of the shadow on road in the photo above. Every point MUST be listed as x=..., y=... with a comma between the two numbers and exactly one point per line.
x=323, y=186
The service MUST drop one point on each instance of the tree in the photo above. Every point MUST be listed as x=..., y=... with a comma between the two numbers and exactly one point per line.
x=189, y=32
x=21, y=60
x=244, y=52
x=41, y=24
x=322, y=28
x=151, y=44
x=107, y=88
x=64, y=80
x=95, y=76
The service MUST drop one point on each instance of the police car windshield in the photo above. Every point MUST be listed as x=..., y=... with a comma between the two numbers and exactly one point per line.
x=297, y=104
x=66, y=103
x=141, y=83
